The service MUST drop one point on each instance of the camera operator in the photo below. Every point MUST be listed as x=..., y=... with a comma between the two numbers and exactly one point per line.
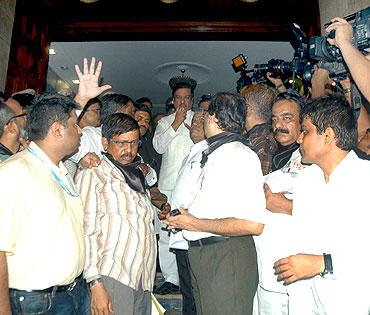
x=358, y=64
x=277, y=82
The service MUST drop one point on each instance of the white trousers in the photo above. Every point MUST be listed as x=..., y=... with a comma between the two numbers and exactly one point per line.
x=167, y=259
x=270, y=303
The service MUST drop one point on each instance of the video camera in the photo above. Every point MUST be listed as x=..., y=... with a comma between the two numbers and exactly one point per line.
x=299, y=66
x=239, y=64
x=320, y=49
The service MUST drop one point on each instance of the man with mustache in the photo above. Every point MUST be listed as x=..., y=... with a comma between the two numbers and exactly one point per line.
x=279, y=185
x=119, y=234
x=286, y=126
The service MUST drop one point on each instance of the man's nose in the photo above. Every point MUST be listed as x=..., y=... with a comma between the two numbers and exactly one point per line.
x=279, y=124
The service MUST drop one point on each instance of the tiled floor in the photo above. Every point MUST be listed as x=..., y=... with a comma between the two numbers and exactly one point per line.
x=171, y=302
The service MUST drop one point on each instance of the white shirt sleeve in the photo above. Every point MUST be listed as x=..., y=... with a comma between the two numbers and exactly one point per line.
x=90, y=142
x=163, y=136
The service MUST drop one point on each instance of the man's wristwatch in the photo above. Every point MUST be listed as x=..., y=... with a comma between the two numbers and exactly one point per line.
x=328, y=269
x=93, y=282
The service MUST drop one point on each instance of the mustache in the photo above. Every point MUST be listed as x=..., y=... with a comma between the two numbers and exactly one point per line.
x=280, y=130
x=127, y=155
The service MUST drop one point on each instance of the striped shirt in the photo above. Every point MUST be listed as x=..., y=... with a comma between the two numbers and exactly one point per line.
x=119, y=234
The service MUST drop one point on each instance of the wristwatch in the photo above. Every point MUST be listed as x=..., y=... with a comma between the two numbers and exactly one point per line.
x=93, y=282
x=328, y=265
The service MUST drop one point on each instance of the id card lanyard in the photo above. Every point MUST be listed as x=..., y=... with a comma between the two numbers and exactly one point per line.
x=73, y=193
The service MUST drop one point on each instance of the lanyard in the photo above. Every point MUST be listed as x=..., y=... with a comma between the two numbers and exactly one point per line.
x=73, y=193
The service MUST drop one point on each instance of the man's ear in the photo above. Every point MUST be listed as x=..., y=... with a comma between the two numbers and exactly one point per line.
x=57, y=129
x=11, y=127
x=329, y=136
x=105, y=142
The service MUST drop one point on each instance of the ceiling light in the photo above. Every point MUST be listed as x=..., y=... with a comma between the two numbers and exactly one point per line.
x=76, y=81
x=249, y=1
x=169, y=1
x=89, y=1
x=52, y=51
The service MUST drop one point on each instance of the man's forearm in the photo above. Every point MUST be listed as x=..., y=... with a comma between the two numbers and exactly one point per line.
x=4, y=286
x=359, y=67
x=228, y=226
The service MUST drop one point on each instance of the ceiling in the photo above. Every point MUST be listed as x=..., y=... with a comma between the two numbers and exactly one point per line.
x=143, y=68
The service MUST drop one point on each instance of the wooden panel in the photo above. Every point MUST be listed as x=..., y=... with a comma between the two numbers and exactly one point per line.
x=28, y=59
x=101, y=30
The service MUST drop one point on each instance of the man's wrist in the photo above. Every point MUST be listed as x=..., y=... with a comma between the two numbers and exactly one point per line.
x=94, y=282
x=81, y=100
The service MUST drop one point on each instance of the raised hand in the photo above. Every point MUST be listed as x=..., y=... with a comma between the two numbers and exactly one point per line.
x=89, y=82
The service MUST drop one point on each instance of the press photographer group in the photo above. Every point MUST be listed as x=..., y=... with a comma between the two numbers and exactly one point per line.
x=310, y=54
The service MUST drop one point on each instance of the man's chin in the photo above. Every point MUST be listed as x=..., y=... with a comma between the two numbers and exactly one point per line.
x=125, y=161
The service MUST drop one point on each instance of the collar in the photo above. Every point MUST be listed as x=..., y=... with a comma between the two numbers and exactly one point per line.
x=4, y=150
x=133, y=175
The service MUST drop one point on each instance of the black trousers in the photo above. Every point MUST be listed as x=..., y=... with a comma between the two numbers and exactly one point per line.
x=224, y=276
x=188, y=302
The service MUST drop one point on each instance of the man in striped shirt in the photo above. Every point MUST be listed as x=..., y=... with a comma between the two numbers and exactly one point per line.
x=119, y=235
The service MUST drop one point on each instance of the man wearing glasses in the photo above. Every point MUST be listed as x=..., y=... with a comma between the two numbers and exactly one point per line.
x=119, y=234
x=11, y=130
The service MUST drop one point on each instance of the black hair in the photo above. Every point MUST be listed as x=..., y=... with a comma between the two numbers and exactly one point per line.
x=3, y=97
x=182, y=85
x=143, y=108
x=260, y=97
x=333, y=111
x=89, y=103
x=111, y=103
x=144, y=100
x=46, y=109
x=5, y=115
x=293, y=96
x=204, y=98
x=25, y=99
x=231, y=110
x=117, y=124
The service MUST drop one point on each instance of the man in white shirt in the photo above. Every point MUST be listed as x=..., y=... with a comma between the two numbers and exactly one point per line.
x=328, y=270
x=42, y=250
x=91, y=136
x=279, y=189
x=183, y=194
x=228, y=208
x=172, y=140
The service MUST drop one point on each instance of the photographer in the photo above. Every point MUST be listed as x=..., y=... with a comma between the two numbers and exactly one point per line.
x=358, y=64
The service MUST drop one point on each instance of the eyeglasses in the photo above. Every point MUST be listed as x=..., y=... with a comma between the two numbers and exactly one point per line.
x=16, y=116
x=122, y=144
x=92, y=110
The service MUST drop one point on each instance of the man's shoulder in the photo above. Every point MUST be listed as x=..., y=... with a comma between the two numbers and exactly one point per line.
x=91, y=131
x=356, y=166
x=236, y=147
x=18, y=166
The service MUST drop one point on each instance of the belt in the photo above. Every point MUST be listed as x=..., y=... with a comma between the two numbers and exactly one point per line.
x=57, y=288
x=208, y=241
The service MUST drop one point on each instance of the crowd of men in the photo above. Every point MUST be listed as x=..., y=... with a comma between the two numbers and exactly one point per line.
x=258, y=199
